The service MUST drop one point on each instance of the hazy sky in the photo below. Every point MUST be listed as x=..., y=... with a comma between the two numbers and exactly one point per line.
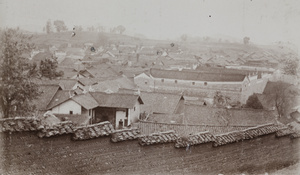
x=263, y=21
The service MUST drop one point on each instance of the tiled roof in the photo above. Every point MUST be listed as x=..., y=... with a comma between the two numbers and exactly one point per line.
x=125, y=134
x=162, y=137
x=67, y=62
x=196, y=76
x=116, y=100
x=85, y=100
x=250, y=133
x=167, y=102
x=271, y=87
x=19, y=124
x=68, y=84
x=93, y=131
x=102, y=71
x=114, y=84
x=60, y=97
x=65, y=127
x=47, y=93
x=195, y=139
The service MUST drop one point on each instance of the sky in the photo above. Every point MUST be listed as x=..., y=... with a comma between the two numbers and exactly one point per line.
x=264, y=21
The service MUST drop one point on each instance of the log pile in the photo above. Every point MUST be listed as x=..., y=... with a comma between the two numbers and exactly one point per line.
x=19, y=124
x=65, y=127
x=195, y=139
x=284, y=132
x=93, y=131
x=125, y=134
x=162, y=137
x=249, y=133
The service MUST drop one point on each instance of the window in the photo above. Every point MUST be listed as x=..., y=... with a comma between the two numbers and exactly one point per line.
x=71, y=112
x=133, y=108
x=193, y=83
x=146, y=82
x=205, y=83
x=162, y=80
x=175, y=81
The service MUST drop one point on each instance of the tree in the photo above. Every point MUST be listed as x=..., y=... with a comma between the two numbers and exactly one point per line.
x=280, y=97
x=253, y=102
x=221, y=100
x=48, y=68
x=16, y=89
x=60, y=26
x=183, y=37
x=49, y=27
x=246, y=40
x=291, y=67
x=121, y=29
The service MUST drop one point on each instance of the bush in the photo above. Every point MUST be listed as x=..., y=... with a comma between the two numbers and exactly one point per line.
x=253, y=102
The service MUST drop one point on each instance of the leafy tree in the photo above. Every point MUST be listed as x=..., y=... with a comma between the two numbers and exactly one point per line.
x=48, y=68
x=221, y=100
x=16, y=88
x=246, y=40
x=60, y=26
x=183, y=37
x=121, y=29
x=280, y=97
x=49, y=27
x=253, y=102
x=291, y=67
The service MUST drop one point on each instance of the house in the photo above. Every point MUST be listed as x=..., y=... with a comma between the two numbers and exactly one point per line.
x=119, y=109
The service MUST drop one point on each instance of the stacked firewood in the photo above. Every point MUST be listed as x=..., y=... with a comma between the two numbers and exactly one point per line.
x=195, y=139
x=125, y=134
x=93, y=131
x=162, y=137
x=19, y=124
x=65, y=127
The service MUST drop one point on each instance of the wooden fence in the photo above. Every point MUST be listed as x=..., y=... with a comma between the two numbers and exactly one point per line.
x=147, y=128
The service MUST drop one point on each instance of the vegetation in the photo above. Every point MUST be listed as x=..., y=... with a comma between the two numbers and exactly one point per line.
x=291, y=67
x=221, y=100
x=48, y=68
x=49, y=28
x=60, y=26
x=16, y=89
x=253, y=102
x=246, y=40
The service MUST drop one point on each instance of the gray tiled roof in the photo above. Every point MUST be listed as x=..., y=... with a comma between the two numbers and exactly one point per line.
x=116, y=100
x=196, y=76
